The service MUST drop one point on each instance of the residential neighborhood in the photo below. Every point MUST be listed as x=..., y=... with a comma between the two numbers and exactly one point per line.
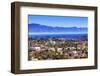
x=57, y=48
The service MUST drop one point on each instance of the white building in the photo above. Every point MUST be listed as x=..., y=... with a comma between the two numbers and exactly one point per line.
x=35, y=48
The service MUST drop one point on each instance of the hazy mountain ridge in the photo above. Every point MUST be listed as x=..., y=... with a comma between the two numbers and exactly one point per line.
x=43, y=28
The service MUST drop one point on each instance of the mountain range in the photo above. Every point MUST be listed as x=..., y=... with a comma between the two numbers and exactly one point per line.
x=37, y=28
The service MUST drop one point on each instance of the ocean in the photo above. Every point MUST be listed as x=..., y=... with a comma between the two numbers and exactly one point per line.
x=69, y=36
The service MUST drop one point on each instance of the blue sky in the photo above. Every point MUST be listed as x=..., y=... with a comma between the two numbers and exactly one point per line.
x=58, y=21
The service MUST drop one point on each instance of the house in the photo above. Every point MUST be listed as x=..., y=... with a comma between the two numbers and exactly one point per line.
x=53, y=49
x=75, y=53
x=59, y=49
x=52, y=42
x=35, y=48
x=79, y=46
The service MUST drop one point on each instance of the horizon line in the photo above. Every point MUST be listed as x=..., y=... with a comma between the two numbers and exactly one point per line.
x=55, y=26
x=31, y=33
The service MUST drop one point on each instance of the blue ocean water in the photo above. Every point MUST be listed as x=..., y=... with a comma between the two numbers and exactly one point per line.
x=72, y=36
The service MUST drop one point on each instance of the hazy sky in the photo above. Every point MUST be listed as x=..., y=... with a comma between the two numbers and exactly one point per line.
x=58, y=21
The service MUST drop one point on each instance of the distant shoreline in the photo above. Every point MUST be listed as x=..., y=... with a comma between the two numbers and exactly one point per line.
x=70, y=33
x=71, y=36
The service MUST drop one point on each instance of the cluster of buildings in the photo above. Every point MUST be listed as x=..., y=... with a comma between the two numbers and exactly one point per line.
x=58, y=48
